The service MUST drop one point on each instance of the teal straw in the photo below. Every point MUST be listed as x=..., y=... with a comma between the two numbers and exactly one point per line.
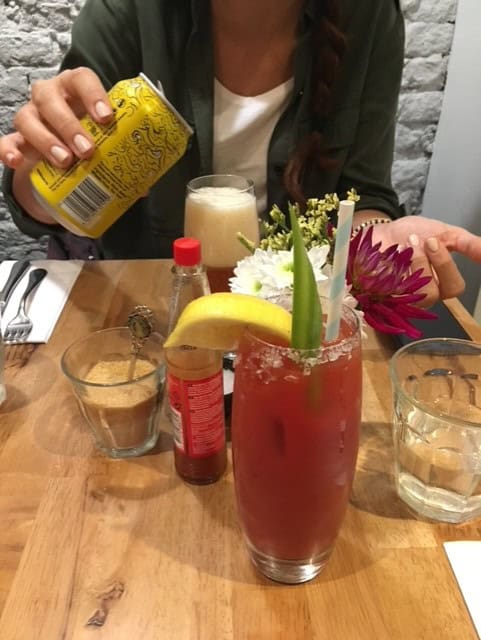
x=338, y=282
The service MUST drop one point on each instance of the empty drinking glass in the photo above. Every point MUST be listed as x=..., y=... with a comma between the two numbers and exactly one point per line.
x=437, y=427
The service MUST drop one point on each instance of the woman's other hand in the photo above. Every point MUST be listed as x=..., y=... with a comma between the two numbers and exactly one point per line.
x=432, y=242
x=48, y=125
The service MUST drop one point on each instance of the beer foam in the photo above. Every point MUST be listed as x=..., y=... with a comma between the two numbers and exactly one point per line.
x=222, y=197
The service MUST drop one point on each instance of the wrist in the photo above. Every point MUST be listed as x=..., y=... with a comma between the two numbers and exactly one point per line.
x=23, y=194
x=368, y=222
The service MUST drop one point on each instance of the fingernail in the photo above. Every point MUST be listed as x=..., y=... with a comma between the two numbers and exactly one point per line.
x=81, y=143
x=414, y=240
x=433, y=244
x=10, y=158
x=102, y=110
x=59, y=154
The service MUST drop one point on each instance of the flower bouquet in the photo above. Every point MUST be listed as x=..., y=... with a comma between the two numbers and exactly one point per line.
x=379, y=282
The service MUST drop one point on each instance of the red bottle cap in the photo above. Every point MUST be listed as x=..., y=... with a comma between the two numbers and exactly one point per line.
x=187, y=252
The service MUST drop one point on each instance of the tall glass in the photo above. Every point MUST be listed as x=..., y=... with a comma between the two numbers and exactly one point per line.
x=295, y=434
x=217, y=207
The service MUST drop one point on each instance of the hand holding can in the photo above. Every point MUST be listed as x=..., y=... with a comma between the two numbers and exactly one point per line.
x=48, y=125
x=143, y=140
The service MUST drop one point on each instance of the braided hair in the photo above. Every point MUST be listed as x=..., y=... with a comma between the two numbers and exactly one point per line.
x=329, y=45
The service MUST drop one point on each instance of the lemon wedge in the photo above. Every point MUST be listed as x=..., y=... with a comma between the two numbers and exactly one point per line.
x=216, y=321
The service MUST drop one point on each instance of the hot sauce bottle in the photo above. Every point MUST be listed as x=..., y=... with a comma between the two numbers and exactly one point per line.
x=194, y=380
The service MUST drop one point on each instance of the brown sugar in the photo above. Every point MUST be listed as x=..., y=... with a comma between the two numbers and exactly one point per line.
x=122, y=416
x=116, y=371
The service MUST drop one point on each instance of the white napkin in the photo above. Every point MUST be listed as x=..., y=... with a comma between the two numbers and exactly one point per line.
x=465, y=559
x=45, y=303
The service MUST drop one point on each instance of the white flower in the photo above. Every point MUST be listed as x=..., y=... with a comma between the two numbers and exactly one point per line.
x=318, y=257
x=247, y=279
x=278, y=271
x=249, y=275
x=266, y=272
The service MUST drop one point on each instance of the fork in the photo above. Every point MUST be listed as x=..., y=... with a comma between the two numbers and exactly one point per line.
x=19, y=328
x=14, y=278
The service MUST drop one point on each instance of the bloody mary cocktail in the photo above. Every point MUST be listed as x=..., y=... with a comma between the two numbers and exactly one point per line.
x=295, y=432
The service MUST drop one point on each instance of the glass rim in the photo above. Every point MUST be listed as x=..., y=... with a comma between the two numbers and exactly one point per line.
x=418, y=404
x=249, y=183
x=323, y=347
x=104, y=385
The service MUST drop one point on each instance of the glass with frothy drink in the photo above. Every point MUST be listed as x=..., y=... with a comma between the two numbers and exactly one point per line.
x=119, y=396
x=217, y=208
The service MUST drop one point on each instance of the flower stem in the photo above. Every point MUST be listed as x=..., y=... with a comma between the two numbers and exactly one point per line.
x=245, y=242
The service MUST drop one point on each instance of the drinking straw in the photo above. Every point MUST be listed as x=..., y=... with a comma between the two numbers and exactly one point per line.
x=338, y=282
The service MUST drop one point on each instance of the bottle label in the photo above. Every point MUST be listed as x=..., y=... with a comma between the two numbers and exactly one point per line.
x=197, y=414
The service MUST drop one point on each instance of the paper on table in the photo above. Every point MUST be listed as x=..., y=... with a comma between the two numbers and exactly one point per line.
x=45, y=304
x=465, y=559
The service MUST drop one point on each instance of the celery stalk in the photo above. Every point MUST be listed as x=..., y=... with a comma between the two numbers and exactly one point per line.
x=306, y=306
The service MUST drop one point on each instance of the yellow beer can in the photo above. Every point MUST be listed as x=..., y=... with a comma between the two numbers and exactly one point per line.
x=146, y=137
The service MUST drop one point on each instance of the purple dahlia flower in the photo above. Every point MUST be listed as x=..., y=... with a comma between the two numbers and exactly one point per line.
x=386, y=290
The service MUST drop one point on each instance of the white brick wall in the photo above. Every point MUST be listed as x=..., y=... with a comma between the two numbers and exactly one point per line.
x=35, y=34
x=33, y=37
x=429, y=33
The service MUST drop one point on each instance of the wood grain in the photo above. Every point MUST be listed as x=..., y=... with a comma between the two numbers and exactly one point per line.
x=97, y=548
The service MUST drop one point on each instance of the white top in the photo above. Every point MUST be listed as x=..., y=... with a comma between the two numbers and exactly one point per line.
x=243, y=128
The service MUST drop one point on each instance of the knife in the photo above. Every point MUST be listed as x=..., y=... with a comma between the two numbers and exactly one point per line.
x=14, y=277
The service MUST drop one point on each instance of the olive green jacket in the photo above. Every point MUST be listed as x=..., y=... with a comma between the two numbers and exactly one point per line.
x=170, y=41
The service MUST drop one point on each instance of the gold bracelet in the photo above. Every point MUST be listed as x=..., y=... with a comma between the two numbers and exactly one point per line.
x=368, y=223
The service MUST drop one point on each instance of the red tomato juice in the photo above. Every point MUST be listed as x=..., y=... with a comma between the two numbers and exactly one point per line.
x=294, y=441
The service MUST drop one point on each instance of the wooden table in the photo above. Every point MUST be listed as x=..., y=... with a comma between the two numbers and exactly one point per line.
x=128, y=544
